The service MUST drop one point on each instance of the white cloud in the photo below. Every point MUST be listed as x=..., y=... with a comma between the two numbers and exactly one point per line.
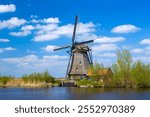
x=53, y=31
x=35, y=60
x=145, y=59
x=47, y=29
x=143, y=51
x=25, y=59
x=7, y=8
x=6, y=49
x=86, y=37
x=49, y=48
x=43, y=29
x=105, y=39
x=82, y=28
x=45, y=37
x=137, y=50
x=54, y=20
x=4, y=40
x=127, y=28
x=85, y=28
x=35, y=21
x=51, y=20
x=145, y=41
x=28, y=27
x=55, y=57
x=104, y=47
x=12, y=23
x=20, y=34
x=107, y=54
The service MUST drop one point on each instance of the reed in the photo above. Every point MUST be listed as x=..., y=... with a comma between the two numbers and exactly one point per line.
x=34, y=80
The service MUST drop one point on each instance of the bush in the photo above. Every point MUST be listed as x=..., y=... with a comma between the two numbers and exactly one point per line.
x=141, y=73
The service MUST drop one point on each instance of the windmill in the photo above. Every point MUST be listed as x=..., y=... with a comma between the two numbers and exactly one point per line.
x=80, y=56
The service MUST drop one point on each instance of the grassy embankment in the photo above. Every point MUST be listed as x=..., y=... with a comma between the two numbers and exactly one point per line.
x=34, y=80
x=126, y=73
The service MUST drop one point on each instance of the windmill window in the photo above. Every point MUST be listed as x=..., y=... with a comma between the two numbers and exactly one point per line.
x=77, y=69
x=80, y=63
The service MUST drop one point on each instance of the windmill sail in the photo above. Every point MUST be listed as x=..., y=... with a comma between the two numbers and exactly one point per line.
x=64, y=47
x=74, y=30
x=85, y=42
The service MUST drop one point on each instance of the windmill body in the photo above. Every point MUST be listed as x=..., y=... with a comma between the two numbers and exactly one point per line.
x=80, y=61
x=80, y=57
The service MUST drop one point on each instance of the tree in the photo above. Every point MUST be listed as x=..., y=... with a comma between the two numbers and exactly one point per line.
x=141, y=73
x=124, y=64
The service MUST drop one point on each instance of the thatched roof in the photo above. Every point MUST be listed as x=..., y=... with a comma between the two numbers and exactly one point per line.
x=101, y=72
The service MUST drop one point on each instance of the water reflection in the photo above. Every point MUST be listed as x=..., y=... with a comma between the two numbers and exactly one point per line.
x=73, y=93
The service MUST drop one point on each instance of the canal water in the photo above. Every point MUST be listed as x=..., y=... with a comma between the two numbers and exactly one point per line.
x=73, y=93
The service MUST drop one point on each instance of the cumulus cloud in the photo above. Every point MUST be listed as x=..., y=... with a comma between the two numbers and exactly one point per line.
x=143, y=51
x=46, y=37
x=33, y=60
x=137, y=50
x=104, y=47
x=24, y=59
x=47, y=29
x=20, y=34
x=49, y=48
x=12, y=23
x=145, y=41
x=6, y=49
x=108, y=54
x=53, y=31
x=44, y=29
x=127, y=28
x=105, y=39
x=146, y=59
x=52, y=20
x=7, y=8
x=28, y=27
x=4, y=40
x=86, y=37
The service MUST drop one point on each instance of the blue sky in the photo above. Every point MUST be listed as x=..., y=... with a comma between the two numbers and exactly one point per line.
x=31, y=29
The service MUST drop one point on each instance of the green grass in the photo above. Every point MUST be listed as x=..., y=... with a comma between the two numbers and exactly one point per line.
x=89, y=83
